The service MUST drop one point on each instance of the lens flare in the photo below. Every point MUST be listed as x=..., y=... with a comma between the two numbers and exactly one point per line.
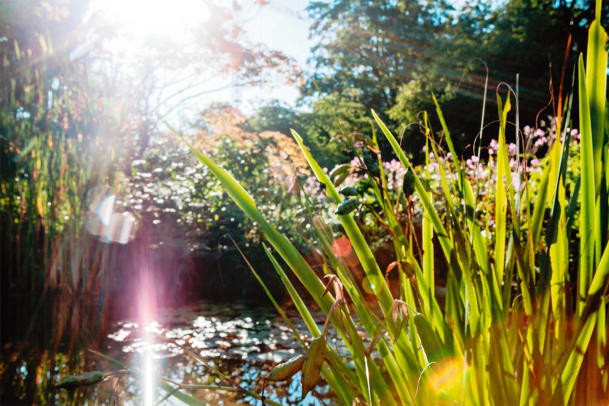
x=104, y=222
x=371, y=284
x=446, y=378
x=147, y=315
x=342, y=247
x=148, y=377
x=154, y=19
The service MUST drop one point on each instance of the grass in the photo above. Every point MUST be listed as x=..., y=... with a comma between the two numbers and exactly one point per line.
x=50, y=262
x=520, y=323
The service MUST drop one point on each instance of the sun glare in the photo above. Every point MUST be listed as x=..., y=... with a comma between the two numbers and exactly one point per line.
x=151, y=18
x=147, y=316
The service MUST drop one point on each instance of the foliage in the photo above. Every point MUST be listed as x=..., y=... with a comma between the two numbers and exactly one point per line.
x=508, y=327
x=366, y=51
x=280, y=118
x=188, y=213
x=49, y=114
x=397, y=54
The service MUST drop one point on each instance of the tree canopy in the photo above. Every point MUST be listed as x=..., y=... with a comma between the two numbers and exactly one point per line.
x=391, y=56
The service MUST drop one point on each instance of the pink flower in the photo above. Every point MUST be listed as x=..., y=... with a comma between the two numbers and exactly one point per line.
x=540, y=142
x=493, y=147
x=512, y=151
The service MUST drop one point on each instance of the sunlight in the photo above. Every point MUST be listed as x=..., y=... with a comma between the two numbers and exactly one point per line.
x=177, y=229
x=148, y=377
x=146, y=19
x=147, y=315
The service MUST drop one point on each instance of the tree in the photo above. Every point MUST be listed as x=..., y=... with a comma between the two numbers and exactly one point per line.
x=312, y=126
x=73, y=115
x=397, y=53
x=366, y=51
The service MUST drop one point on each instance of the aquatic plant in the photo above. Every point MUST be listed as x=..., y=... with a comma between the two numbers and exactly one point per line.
x=516, y=320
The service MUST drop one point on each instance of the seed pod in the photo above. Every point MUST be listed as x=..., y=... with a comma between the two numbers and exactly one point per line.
x=340, y=179
x=347, y=206
x=72, y=382
x=311, y=370
x=399, y=314
x=348, y=191
x=285, y=370
x=409, y=180
x=338, y=171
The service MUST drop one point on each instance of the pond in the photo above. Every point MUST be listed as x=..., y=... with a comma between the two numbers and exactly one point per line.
x=192, y=345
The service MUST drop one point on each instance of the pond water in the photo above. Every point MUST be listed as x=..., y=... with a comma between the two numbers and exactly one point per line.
x=192, y=345
x=242, y=341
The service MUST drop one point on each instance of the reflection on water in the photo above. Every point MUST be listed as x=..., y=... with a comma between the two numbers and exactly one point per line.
x=242, y=341
x=148, y=377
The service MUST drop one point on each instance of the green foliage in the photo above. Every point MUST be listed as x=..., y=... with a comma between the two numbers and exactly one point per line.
x=507, y=328
x=394, y=56
x=316, y=126
x=366, y=51
x=188, y=212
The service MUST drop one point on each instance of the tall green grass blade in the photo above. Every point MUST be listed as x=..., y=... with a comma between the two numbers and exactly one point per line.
x=570, y=372
x=420, y=189
x=337, y=382
x=501, y=197
x=358, y=242
x=283, y=246
x=288, y=252
x=296, y=299
x=559, y=258
x=450, y=144
x=585, y=328
x=270, y=296
x=428, y=250
x=562, y=174
x=596, y=85
x=588, y=194
x=372, y=270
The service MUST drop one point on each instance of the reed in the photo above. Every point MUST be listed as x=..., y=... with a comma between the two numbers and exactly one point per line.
x=52, y=268
x=519, y=323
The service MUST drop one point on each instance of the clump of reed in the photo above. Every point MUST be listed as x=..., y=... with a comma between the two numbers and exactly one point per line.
x=519, y=322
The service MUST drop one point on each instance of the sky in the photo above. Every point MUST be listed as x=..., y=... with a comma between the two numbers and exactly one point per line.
x=283, y=25
x=280, y=25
